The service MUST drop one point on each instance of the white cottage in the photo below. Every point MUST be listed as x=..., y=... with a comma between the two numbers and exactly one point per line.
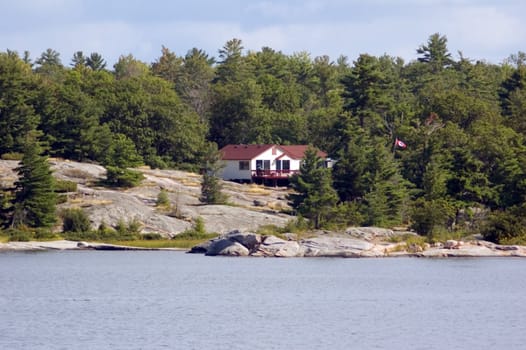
x=258, y=163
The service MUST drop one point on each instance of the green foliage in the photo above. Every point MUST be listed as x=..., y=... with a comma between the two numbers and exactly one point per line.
x=314, y=196
x=24, y=234
x=63, y=186
x=122, y=153
x=211, y=184
x=506, y=226
x=18, y=90
x=429, y=217
x=75, y=220
x=162, y=199
x=12, y=156
x=409, y=243
x=126, y=178
x=196, y=232
x=35, y=198
x=435, y=53
x=464, y=123
x=297, y=225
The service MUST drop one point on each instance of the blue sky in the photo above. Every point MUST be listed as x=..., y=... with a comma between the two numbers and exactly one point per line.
x=482, y=29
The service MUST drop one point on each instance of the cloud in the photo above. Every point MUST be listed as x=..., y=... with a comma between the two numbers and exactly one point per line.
x=285, y=10
x=320, y=27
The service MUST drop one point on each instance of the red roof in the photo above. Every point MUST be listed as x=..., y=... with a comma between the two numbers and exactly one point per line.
x=246, y=152
x=298, y=151
x=243, y=152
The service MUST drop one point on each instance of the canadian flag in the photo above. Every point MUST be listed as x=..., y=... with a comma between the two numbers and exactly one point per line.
x=400, y=143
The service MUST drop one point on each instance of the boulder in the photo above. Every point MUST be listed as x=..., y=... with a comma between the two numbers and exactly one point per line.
x=248, y=239
x=277, y=247
x=226, y=247
x=338, y=247
x=452, y=244
x=369, y=233
x=201, y=248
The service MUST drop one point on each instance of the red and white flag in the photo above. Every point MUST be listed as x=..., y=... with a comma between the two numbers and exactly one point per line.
x=400, y=144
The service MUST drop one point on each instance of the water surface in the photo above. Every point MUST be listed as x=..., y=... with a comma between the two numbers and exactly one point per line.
x=172, y=300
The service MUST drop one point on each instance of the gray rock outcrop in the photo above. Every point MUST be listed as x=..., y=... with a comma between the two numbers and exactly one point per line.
x=238, y=243
x=277, y=247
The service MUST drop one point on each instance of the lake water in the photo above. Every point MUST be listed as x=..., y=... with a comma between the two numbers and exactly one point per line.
x=172, y=300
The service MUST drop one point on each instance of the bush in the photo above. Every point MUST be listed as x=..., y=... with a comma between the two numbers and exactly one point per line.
x=12, y=156
x=152, y=236
x=432, y=216
x=128, y=231
x=119, y=177
x=162, y=199
x=197, y=231
x=62, y=186
x=75, y=220
x=20, y=234
x=298, y=225
x=506, y=226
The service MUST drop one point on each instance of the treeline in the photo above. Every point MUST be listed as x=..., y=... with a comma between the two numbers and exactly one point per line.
x=463, y=122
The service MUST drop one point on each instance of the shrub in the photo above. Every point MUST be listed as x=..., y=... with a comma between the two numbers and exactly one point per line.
x=506, y=226
x=128, y=231
x=431, y=216
x=197, y=231
x=75, y=220
x=12, y=156
x=298, y=225
x=62, y=186
x=119, y=177
x=20, y=236
x=162, y=199
x=152, y=236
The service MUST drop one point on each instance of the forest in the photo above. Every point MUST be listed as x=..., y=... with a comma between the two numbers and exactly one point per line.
x=460, y=165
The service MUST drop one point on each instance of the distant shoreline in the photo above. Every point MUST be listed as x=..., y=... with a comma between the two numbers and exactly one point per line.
x=381, y=250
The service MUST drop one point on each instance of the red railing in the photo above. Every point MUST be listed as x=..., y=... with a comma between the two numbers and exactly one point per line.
x=273, y=173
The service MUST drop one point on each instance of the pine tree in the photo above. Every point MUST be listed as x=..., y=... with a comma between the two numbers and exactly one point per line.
x=315, y=198
x=211, y=184
x=35, y=199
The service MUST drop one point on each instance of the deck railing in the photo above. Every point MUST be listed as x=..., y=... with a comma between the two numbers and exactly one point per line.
x=275, y=174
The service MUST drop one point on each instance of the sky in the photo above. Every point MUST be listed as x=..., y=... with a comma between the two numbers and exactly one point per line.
x=489, y=30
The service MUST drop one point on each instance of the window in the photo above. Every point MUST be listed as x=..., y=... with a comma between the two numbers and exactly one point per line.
x=244, y=165
x=262, y=164
x=283, y=164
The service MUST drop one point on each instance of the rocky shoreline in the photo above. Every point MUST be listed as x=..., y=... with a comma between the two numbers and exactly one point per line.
x=238, y=243
x=69, y=245
x=251, y=207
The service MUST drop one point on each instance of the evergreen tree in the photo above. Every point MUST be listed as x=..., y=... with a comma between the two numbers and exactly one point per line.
x=95, y=62
x=18, y=88
x=35, y=198
x=435, y=52
x=78, y=60
x=315, y=198
x=211, y=184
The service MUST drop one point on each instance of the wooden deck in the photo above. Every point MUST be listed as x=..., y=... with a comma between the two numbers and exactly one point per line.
x=273, y=174
x=272, y=177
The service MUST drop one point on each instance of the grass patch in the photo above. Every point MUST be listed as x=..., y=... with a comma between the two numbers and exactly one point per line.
x=150, y=244
x=517, y=240
x=78, y=173
x=25, y=234
x=257, y=190
x=190, y=182
x=12, y=156
x=409, y=243
x=85, y=202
